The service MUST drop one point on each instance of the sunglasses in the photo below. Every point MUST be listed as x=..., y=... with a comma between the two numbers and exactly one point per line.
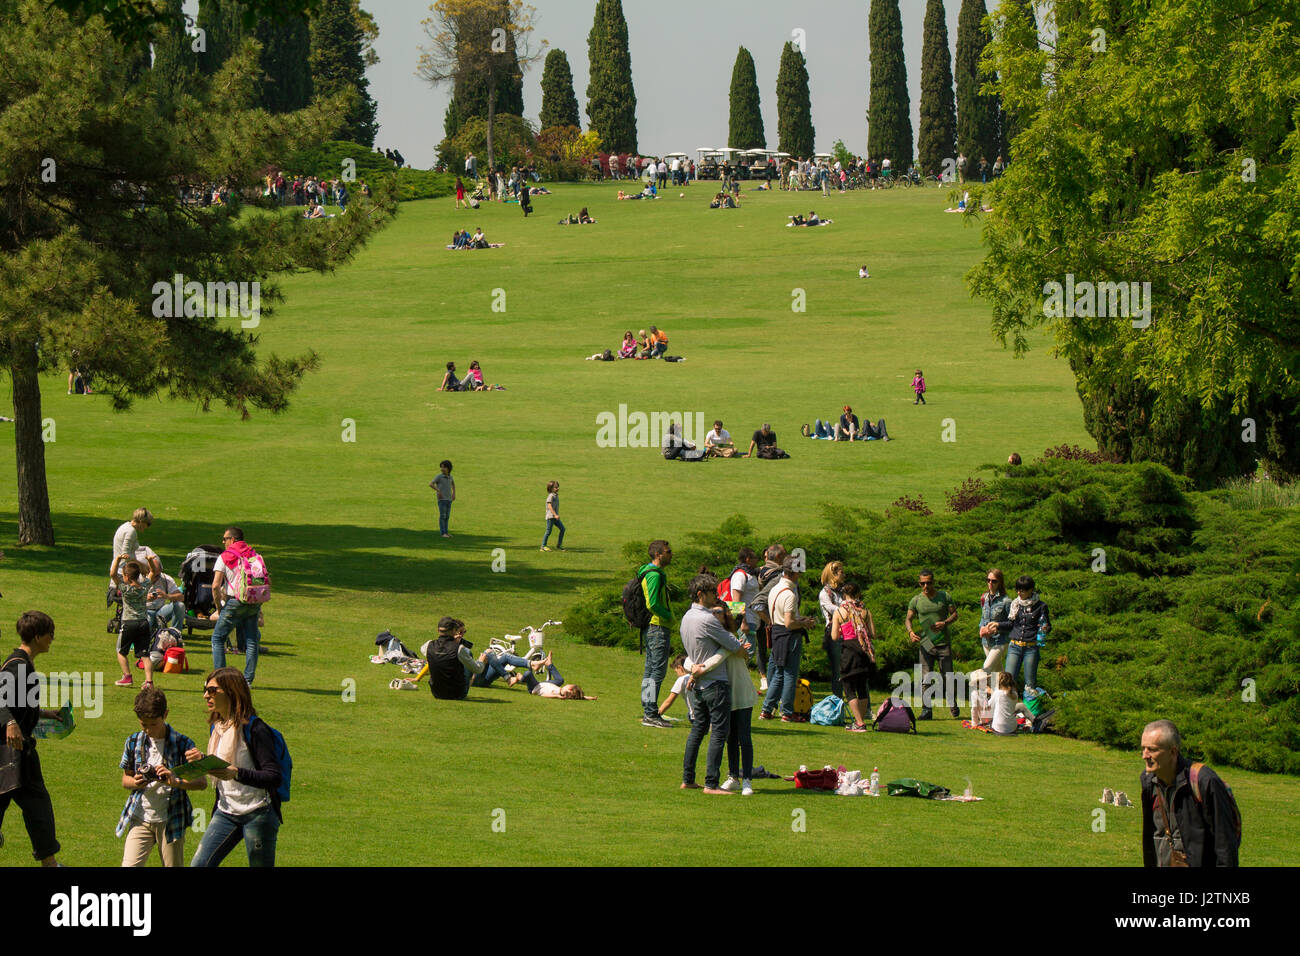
x=210, y=690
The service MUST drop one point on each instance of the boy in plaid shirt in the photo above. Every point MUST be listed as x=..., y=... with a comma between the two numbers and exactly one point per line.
x=158, y=811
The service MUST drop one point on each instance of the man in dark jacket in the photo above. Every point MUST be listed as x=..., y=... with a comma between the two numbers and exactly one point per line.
x=19, y=714
x=1184, y=822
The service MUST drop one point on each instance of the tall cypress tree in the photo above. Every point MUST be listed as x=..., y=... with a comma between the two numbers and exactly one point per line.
x=611, y=101
x=559, y=104
x=889, y=133
x=745, y=127
x=175, y=64
x=222, y=23
x=793, y=105
x=937, y=137
x=977, y=114
x=286, y=67
x=338, y=62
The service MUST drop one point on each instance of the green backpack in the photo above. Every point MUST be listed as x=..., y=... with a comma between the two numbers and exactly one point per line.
x=907, y=787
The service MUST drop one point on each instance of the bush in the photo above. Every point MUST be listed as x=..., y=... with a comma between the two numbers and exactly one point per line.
x=1165, y=602
x=327, y=161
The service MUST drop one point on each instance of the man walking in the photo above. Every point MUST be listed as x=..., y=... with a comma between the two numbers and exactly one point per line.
x=1189, y=816
x=233, y=614
x=933, y=611
x=789, y=632
x=708, y=641
x=19, y=714
x=655, y=641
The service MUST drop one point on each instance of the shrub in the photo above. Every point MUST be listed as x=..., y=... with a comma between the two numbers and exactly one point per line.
x=327, y=159
x=970, y=495
x=916, y=504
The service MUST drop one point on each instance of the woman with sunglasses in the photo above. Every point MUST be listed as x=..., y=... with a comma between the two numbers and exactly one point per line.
x=248, y=802
x=994, y=607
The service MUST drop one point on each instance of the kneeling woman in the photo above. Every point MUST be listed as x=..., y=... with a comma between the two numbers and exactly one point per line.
x=248, y=800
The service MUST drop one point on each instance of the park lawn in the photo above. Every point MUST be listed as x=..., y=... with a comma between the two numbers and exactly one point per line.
x=349, y=530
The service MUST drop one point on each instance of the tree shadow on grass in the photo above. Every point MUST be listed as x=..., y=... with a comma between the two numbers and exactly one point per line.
x=308, y=560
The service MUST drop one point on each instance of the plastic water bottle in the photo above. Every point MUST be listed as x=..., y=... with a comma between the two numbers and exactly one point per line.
x=1042, y=637
x=875, y=781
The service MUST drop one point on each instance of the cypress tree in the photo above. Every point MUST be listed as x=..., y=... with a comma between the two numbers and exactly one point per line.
x=222, y=23
x=338, y=62
x=793, y=105
x=745, y=128
x=977, y=114
x=175, y=64
x=611, y=101
x=937, y=137
x=559, y=104
x=889, y=133
x=286, y=68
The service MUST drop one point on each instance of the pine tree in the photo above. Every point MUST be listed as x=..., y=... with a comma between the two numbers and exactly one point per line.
x=611, y=101
x=977, y=114
x=175, y=63
x=338, y=63
x=795, y=131
x=559, y=104
x=286, y=67
x=889, y=130
x=937, y=137
x=745, y=126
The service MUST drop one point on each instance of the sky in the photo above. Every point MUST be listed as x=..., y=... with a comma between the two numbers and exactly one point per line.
x=682, y=52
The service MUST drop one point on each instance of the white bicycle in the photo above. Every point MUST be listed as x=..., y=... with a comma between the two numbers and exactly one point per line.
x=536, y=647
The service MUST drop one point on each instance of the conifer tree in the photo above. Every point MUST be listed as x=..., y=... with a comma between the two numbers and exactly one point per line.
x=889, y=130
x=611, y=100
x=559, y=104
x=795, y=131
x=937, y=139
x=745, y=127
x=977, y=113
x=338, y=62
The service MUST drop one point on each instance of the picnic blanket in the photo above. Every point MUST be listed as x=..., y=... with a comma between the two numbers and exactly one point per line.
x=820, y=222
x=491, y=245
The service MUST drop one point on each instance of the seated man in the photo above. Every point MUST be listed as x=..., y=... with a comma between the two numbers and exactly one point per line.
x=658, y=342
x=763, y=438
x=478, y=241
x=165, y=605
x=449, y=661
x=674, y=444
x=718, y=442
x=450, y=383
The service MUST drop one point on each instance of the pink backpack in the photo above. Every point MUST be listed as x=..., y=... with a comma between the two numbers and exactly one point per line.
x=250, y=582
x=894, y=718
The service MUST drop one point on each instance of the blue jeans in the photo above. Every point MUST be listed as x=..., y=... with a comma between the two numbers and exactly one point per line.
x=656, y=641
x=823, y=430
x=172, y=614
x=659, y=349
x=495, y=666
x=711, y=714
x=554, y=523
x=258, y=830
x=782, y=681
x=241, y=618
x=740, y=738
x=444, y=515
x=552, y=672
x=1015, y=654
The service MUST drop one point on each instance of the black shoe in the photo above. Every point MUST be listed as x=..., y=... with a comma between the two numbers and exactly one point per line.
x=925, y=715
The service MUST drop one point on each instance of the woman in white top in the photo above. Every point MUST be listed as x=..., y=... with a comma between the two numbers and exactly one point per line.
x=248, y=801
x=1006, y=706
x=829, y=599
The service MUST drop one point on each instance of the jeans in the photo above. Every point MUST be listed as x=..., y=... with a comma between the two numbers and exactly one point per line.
x=711, y=715
x=1015, y=654
x=554, y=523
x=656, y=641
x=172, y=614
x=241, y=618
x=942, y=654
x=495, y=666
x=659, y=349
x=444, y=514
x=739, y=738
x=874, y=431
x=552, y=672
x=782, y=681
x=258, y=830
x=823, y=430
x=833, y=650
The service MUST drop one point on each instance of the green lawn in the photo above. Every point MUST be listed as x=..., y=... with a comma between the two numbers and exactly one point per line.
x=349, y=530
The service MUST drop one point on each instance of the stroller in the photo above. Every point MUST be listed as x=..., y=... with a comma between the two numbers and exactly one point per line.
x=196, y=586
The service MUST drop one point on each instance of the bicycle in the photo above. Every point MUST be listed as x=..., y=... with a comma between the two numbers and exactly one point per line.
x=506, y=643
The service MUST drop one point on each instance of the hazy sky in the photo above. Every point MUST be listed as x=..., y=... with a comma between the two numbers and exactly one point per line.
x=682, y=55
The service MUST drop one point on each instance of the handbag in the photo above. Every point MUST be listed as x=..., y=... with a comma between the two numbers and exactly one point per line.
x=11, y=776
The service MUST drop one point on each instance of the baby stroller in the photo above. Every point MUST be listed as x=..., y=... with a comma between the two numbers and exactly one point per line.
x=196, y=586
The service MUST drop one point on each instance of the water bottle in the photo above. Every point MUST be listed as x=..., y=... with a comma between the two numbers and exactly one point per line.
x=875, y=781
x=1042, y=637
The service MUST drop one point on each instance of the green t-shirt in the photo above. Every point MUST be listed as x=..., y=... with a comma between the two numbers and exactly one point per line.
x=928, y=612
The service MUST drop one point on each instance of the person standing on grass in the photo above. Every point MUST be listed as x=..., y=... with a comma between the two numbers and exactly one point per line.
x=248, y=798
x=553, y=516
x=994, y=608
x=126, y=539
x=20, y=690
x=233, y=614
x=158, y=811
x=655, y=641
x=789, y=632
x=446, y=491
x=853, y=630
x=708, y=639
x=918, y=387
x=460, y=193
x=828, y=600
x=134, y=631
x=933, y=611
x=769, y=575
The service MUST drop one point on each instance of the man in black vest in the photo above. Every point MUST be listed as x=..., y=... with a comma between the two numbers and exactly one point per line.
x=449, y=662
x=19, y=714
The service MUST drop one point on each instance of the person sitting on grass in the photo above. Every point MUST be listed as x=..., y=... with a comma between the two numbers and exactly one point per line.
x=478, y=240
x=449, y=661
x=718, y=442
x=644, y=343
x=315, y=211
x=1006, y=707
x=628, y=349
x=658, y=342
x=450, y=383
x=863, y=273
x=474, y=380
x=827, y=431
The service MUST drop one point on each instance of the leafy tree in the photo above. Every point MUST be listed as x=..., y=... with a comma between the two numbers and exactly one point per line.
x=793, y=104
x=611, y=100
x=559, y=104
x=745, y=127
x=938, y=133
x=1011, y=123
x=1151, y=160
x=566, y=152
x=478, y=45
x=338, y=63
x=889, y=130
x=977, y=113
x=92, y=172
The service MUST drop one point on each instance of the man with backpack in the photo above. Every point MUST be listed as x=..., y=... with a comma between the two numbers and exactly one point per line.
x=1189, y=815
x=240, y=586
x=655, y=639
x=789, y=634
x=768, y=576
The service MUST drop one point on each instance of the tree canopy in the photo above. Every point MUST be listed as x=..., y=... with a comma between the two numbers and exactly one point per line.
x=793, y=104
x=559, y=104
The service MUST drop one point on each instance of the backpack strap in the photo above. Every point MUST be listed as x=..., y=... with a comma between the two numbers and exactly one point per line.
x=1194, y=778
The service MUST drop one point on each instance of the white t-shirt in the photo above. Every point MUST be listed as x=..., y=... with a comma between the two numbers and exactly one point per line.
x=744, y=587
x=153, y=799
x=679, y=688
x=165, y=583
x=716, y=437
x=829, y=601
x=234, y=797
x=125, y=541
x=1004, y=713
x=783, y=600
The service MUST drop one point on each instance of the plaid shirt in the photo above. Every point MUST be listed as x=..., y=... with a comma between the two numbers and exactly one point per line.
x=179, y=811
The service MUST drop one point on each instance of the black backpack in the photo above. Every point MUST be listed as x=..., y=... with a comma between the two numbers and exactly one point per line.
x=634, y=607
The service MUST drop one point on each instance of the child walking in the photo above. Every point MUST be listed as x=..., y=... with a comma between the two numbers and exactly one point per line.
x=446, y=491
x=158, y=811
x=135, y=619
x=918, y=386
x=553, y=516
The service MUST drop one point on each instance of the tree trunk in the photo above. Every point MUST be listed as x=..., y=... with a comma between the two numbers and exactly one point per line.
x=34, y=525
x=492, y=114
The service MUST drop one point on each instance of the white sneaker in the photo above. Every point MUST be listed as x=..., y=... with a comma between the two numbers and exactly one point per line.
x=1122, y=800
x=731, y=783
x=762, y=686
x=746, y=789
x=1107, y=795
